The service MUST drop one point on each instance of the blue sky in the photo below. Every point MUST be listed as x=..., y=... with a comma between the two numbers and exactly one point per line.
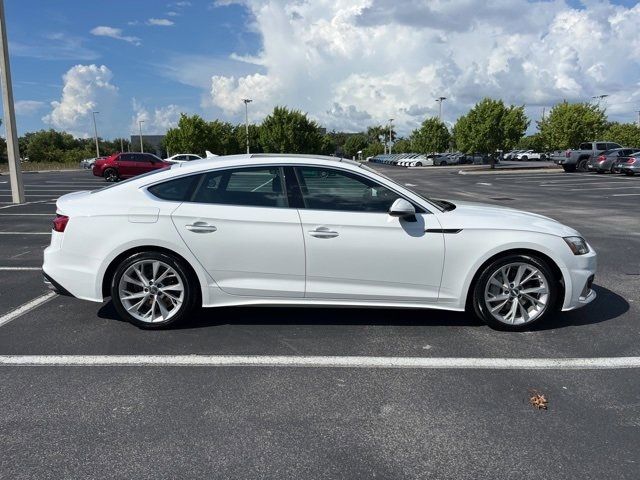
x=348, y=64
x=167, y=65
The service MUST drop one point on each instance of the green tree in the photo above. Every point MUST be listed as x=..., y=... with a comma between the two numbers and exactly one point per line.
x=192, y=135
x=626, y=134
x=241, y=138
x=224, y=140
x=290, y=131
x=490, y=126
x=534, y=142
x=53, y=146
x=403, y=145
x=354, y=144
x=373, y=149
x=432, y=136
x=328, y=145
x=569, y=124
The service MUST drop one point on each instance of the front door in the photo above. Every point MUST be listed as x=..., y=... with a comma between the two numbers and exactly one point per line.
x=355, y=250
x=239, y=226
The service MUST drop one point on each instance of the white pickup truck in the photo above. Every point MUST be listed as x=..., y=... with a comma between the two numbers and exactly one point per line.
x=578, y=160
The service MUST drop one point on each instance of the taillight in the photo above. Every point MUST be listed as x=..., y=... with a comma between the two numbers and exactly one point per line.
x=601, y=158
x=567, y=154
x=631, y=160
x=60, y=223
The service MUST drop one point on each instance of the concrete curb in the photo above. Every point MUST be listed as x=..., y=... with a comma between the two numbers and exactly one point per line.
x=47, y=171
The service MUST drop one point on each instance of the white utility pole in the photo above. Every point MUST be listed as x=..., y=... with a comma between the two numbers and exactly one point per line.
x=95, y=135
x=121, y=145
x=390, y=120
x=140, y=122
x=13, y=151
x=246, y=101
x=440, y=100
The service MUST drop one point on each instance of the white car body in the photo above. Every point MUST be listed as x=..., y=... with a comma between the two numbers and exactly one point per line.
x=528, y=155
x=182, y=158
x=271, y=256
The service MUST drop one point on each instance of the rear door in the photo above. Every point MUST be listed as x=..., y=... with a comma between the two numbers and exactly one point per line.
x=355, y=250
x=127, y=165
x=239, y=226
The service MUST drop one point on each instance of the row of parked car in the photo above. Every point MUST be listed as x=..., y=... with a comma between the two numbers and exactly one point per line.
x=525, y=155
x=433, y=159
x=599, y=156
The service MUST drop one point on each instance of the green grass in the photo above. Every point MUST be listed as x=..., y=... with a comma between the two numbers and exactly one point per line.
x=33, y=166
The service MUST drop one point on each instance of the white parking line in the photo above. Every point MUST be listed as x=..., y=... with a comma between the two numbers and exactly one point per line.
x=25, y=233
x=23, y=204
x=25, y=215
x=621, y=187
x=22, y=309
x=18, y=269
x=322, y=362
x=625, y=194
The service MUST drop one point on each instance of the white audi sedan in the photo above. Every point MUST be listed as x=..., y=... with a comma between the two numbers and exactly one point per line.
x=306, y=230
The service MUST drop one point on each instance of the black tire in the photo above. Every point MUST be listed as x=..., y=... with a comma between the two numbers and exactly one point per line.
x=569, y=168
x=418, y=164
x=630, y=174
x=191, y=293
x=478, y=298
x=524, y=158
x=443, y=163
x=111, y=175
x=582, y=165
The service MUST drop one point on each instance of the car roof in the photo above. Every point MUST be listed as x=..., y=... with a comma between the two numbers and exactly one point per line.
x=264, y=159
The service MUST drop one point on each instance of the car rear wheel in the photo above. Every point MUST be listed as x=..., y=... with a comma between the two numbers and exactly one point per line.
x=153, y=290
x=569, y=168
x=582, y=165
x=524, y=158
x=111, y=175
x=514, y=292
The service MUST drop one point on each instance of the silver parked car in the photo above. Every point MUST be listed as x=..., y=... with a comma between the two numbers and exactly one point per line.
x=606, y=160
x=628, y=165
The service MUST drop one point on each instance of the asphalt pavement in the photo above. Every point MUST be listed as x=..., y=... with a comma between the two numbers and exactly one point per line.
x=291, y=422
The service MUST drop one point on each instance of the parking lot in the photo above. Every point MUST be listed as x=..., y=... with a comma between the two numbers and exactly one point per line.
x=265, y=421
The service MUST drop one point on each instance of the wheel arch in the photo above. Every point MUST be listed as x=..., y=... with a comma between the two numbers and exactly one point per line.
x=553, y=265
x=113, y=265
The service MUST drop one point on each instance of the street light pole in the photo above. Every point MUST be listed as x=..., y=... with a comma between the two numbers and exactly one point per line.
x=440, y=100
x=390, y=120
x=95, y=135
x=13, y=150
x=140, y=122
x=246, y=101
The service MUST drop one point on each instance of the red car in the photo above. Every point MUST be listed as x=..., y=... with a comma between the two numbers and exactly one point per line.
x=126, y=165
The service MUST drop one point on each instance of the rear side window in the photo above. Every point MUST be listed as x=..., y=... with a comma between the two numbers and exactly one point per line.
x=251, y=187
x=601, y=146
x=613, y=145
x=178, y=190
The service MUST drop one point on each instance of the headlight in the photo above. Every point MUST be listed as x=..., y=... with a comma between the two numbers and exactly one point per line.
x=577, y=245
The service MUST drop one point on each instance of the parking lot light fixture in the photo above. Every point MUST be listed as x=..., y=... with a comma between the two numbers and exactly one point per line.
x=95, y=135
x=390, y=120
x=140, y=122
x=440, y=100
x=246, y=101
x=13, y=151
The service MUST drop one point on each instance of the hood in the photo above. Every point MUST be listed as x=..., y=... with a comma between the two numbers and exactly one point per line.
x=468, y=215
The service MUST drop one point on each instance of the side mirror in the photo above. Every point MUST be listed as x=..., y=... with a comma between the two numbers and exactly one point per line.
x=401, y=208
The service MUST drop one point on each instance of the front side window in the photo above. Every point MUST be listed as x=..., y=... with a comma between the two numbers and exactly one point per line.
x=256, y=186
x=329, y=189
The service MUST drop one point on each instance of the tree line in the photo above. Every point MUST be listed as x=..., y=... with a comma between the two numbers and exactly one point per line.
x=491, y=125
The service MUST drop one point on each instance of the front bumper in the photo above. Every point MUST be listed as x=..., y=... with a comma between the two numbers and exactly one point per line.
x=579, y=278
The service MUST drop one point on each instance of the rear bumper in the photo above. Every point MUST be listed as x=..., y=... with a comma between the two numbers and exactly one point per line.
x=52, y=285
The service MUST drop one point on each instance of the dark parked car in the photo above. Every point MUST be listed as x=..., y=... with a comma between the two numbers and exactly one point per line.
x=126, y=165
x=607, y=159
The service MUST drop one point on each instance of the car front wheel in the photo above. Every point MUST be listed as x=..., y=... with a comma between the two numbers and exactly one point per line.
x=153, y=290
x=111, y=175
x=514, y=292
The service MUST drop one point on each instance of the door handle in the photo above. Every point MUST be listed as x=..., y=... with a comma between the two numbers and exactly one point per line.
x=201, y=227
x=323, y=232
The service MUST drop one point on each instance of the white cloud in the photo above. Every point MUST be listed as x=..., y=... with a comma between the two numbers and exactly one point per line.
x=87, y=88
x=28, y=107
x=156, y=122
x=172, y=14
x=351, y=63
x=160, y=22
x=111, y=32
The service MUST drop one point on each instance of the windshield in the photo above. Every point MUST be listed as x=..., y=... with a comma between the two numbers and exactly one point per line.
x=436, y=204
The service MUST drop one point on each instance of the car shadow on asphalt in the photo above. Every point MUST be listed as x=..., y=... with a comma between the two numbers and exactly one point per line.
x=608, y=305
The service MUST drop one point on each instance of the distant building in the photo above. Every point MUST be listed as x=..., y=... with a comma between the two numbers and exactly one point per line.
x=152, y=143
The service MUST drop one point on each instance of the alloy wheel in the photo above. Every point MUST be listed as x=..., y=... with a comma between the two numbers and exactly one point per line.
x=517, y=293
x=151, y=291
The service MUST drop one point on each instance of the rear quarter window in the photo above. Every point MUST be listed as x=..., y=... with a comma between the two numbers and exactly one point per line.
x=177, y=190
